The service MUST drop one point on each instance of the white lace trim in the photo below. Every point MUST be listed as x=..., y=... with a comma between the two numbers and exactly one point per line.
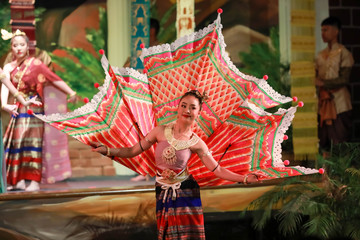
x=279, y=138
x=132, y=72
x=281, y=130
x=306, y=170
x=88, y=107
x=255, y=108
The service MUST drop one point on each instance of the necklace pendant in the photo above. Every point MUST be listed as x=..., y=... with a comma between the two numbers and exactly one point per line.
x=169, y=155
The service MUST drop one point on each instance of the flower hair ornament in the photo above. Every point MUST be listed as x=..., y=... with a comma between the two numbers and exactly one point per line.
x=8, y=35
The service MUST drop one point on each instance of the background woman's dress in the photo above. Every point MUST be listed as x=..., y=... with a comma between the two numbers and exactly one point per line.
x=23, y=139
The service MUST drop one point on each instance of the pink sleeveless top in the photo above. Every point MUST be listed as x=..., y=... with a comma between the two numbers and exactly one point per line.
x=173, y=154
x=182, y=157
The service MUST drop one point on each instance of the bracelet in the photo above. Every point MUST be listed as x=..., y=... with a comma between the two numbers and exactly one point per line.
x=16, y=94
x=73, y=94
x=208, y=153
x=2, y=75
x=146, y=139
x=245, y=179
x=108, y=152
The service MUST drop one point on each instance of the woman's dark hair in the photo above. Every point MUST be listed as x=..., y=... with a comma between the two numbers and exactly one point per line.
x=332, y=21
x=197, y=94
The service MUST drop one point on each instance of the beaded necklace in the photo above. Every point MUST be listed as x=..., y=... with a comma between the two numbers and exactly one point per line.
x=169, y=153
x=19, y=74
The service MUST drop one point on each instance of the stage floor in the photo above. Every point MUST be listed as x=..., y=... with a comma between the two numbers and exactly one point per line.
x=96, y=182
x=65, y=210
x=92, y=182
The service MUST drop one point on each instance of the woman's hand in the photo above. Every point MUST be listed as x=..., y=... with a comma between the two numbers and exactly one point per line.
x=72, y=98
x=32, y=101
x=11, y=109
x=100, y=149
x=253, y=178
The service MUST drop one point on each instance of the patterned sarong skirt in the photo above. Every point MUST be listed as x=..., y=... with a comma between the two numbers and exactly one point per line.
x=23, y=146
x=182, y=217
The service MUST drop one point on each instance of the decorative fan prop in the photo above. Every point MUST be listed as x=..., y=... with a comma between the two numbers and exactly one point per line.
x=119, y=115
x=234, y=123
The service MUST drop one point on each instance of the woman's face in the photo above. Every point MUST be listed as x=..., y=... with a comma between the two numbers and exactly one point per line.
x=19, y=47
x=189, y=109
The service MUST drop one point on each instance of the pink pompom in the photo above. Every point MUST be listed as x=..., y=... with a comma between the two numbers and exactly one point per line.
x=219, y=10
x=86, y=100
x=142, y=46
x=286, y=137
x=321, y=171
x=101, y=51
x=265, y=77
x=286, y=162
x=145, y=71
x=295, y=99
x=96, y=85
x=30, y=112
x=301, y=104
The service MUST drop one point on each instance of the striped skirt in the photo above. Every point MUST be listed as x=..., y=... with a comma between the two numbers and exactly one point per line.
x=181, y=218
x=23, y=146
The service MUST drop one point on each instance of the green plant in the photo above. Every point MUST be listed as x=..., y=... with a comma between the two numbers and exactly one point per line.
x=5, y=24
x=329, y=209
x=82, y=70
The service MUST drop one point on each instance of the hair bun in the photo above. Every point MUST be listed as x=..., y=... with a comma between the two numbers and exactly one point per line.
x=196, y=92
x=205, y=96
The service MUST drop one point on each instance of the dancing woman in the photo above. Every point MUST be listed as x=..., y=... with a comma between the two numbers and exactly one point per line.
x=178, y=210
x=21, y=99
x=23, y=138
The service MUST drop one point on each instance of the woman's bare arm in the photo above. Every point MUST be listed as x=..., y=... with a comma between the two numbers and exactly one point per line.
x=209, y=162
x=129, y=152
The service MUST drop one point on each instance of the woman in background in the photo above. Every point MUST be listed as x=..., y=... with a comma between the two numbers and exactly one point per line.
x=21, y=99
x=23, y=138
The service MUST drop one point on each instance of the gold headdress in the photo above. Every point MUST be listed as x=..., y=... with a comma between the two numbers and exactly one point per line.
x=8, y=35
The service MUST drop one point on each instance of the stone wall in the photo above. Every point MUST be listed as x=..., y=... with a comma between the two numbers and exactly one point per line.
x=85, y=163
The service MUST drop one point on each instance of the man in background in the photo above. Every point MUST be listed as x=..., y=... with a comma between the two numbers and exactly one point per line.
x=333, y=67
